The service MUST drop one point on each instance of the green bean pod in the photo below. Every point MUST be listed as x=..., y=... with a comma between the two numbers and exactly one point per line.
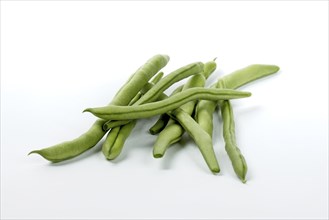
x=112, y=149
x=75, y=147
x=169, y=80
x=113, y=112
x=246, y=75
x=204, y=111
x=163, y=84
x=238, y=161
x=206, y=108
x=201, y=138
x=117, y=136
x=89, y=139
x=163, y=120
x=173, y=131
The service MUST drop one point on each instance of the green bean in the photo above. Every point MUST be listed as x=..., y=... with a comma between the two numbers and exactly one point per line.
x=115, y=123
x=173, y=131
x=163, y=120
x=112, y=149
x=168, y=80
x=206, y=108
x=161, y=86
x=201, y=138
x=117, y=136
x=168, y=136
x=247, y=75
x=238, y=162
x=155, y=108
x=204, y=114
x=164, y=142
x=89, y=139
x=75, y=147
x=112, y=124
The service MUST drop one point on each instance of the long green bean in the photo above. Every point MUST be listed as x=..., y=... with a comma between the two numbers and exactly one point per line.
x=206, y=108
x=155, y=108
x=89, y=139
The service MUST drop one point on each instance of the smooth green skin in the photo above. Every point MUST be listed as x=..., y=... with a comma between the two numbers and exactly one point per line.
x=173, y=131
x=238, y=161
x=200, y=137
x=69, y=149
x=158, y=89
x=247, y=75
x=113, y=112
x=89, y=139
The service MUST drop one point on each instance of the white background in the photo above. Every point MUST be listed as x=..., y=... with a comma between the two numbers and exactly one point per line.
x=58, y=58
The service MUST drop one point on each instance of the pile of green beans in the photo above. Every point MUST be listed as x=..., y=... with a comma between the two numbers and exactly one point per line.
x=189, y=108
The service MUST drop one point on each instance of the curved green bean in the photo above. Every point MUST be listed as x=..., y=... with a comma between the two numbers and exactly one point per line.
x=238, y=161
x=89, y=139
x=246, y=75
x=206, y=108
x=173, y=131
x=155, y=108
x=157, y=90
x=201, y=138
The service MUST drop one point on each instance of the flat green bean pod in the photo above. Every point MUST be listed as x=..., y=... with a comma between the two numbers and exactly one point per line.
x=113, y=112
